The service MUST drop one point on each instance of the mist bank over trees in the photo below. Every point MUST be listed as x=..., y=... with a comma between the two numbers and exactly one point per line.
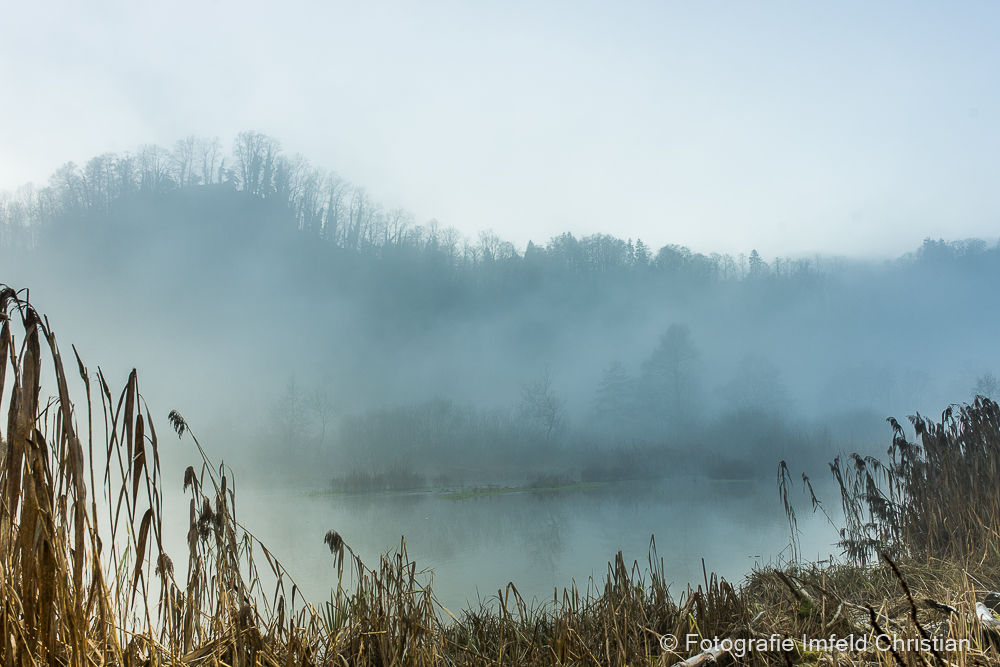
x=222, y=275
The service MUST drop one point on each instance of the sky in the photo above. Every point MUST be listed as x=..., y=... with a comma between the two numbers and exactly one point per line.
x=849, y=128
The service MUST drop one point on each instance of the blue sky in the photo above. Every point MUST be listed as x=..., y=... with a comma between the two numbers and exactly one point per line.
x=842, y=128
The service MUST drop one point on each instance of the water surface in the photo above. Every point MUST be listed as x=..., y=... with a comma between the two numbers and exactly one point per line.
x=540, y=541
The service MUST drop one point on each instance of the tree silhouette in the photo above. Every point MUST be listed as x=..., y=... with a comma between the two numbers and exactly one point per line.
x=614, y=393
x=756, y=386
x=987, y=386
x=671, y=382
x=541, y=407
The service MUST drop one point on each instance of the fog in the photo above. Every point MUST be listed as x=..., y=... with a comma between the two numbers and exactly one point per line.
x=526, y=285
x=847, y=129
x=312, y=334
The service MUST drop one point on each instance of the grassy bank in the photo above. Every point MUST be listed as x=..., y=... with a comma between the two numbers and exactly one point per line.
x=481, y=492
x=398, y=479
x=87, y=582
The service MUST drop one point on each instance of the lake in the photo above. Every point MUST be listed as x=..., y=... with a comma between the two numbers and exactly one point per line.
x=538, y=540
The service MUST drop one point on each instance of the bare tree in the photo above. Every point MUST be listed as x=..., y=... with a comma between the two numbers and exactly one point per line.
x=397, y=222
x=183, y=159
x=154, y=172
x=99, y=182
x=987, y=386
x=336, y=189
x=361, y=205
x=288, y=415
x=67, y=186
x=489, y=246
x=307, y=197
x=126, y=175
x=19, y=217
x=210, y=151
x=255, y=155
x=325, y=409
x=449, y=242
x=541, y=407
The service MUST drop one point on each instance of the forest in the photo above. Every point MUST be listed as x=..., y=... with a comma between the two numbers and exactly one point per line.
x=398, y=354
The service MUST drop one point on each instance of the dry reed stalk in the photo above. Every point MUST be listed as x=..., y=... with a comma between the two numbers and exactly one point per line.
x=69, y=596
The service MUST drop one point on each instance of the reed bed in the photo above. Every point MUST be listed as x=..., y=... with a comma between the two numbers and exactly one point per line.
x=85, y=580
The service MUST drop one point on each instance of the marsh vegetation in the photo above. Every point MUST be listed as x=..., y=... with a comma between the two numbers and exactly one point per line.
x=86, y=579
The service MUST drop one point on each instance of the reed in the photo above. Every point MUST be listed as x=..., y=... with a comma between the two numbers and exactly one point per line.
x=84, y=579
x=935, y=498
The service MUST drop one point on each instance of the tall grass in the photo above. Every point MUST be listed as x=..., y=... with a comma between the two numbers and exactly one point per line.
x=936, y=497
x=84, y=588
x=85, y=580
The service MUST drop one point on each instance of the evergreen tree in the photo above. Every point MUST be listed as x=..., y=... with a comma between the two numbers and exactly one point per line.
x=671, y=382
x=757, y=266
x=614, y=394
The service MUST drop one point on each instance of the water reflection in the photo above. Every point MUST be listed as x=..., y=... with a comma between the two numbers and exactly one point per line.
x=540, y=541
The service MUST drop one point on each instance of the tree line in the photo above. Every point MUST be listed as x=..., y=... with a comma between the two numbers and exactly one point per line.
x=658, y=422
x=324, y=205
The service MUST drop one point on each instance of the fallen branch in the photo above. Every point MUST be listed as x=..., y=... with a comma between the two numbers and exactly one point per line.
x=806, y=601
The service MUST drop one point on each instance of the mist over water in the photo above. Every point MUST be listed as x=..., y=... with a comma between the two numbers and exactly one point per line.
x=319, y=343
x=536, y=333
x=542, y=542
